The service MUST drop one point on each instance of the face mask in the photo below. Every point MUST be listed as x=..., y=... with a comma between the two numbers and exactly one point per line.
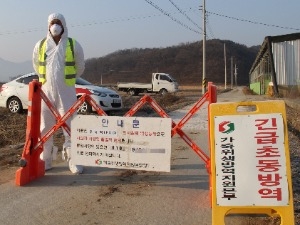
x=55, y=29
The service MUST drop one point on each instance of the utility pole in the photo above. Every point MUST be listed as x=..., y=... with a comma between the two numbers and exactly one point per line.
x=235, y=74
x=225, y=66
x=231, y=73
x=204, y=51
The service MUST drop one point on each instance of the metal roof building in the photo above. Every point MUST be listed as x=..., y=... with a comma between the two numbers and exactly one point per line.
x=276, y=69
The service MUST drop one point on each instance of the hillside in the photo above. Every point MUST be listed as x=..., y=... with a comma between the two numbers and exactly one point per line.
x=183, y=61
x=9, y=70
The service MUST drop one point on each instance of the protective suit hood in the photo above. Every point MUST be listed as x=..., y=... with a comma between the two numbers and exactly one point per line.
x=60, y=17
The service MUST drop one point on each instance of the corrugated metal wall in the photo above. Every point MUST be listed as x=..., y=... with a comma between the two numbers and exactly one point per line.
x=262, y=74
x=286, y=57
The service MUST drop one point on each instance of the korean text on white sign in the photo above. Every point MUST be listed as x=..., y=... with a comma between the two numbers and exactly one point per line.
x=122, y=142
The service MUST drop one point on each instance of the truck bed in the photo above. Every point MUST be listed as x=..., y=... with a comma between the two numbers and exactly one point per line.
x=135, y=85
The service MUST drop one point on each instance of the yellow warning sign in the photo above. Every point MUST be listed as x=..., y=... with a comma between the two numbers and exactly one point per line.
x=250, y=162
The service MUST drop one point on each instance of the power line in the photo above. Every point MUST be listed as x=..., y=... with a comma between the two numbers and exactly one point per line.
x=30, y=30
x=183, y=13
x=92, y=23
x=209, y=28
x=115, y=20
x=171, y=17
x=253, y=22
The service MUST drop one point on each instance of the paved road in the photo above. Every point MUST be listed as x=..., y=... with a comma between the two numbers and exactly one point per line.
x=111, y=196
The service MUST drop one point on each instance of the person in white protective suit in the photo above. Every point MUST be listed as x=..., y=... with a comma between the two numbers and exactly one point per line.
x=58, y=60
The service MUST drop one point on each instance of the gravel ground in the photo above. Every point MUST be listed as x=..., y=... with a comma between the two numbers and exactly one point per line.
x=295, y=162
x=294, y=143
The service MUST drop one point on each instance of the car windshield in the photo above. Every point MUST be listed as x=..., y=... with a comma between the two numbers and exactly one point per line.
x=27, y=79
x=174, y=80
x=81, y=81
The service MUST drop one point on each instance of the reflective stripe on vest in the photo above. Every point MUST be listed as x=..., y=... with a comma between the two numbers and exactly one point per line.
x=70, y=69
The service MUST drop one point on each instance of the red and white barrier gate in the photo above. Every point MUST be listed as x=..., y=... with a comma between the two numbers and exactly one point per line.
x=32, y=167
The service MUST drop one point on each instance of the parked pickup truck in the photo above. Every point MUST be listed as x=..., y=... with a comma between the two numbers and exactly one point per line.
x=162, y=83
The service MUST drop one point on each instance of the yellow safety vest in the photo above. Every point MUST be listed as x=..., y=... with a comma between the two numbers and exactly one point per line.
x=70, y=68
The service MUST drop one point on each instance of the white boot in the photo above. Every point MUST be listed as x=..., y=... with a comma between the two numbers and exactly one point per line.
x=48, y=161
x=48, y=164
x=76, y=169
x=66, y=154
x=46, y=156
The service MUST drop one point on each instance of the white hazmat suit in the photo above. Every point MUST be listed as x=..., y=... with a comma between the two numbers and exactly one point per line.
x=61, y=96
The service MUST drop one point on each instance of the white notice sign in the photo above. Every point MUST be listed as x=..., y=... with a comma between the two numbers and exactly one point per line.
x=122, y=142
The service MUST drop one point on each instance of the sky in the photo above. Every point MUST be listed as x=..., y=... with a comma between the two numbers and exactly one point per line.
x=106, y=26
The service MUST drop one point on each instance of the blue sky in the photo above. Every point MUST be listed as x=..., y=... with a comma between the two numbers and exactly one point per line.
x=105, y=26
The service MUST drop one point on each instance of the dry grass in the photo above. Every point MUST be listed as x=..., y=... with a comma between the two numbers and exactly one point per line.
x=12, y=128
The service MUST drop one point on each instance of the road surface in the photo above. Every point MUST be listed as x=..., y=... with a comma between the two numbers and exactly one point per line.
x=117, y=197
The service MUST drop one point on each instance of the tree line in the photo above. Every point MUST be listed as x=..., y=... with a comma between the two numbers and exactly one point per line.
x=183, y=61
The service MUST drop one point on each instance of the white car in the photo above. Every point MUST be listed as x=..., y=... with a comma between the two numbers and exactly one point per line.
x=14, y=95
